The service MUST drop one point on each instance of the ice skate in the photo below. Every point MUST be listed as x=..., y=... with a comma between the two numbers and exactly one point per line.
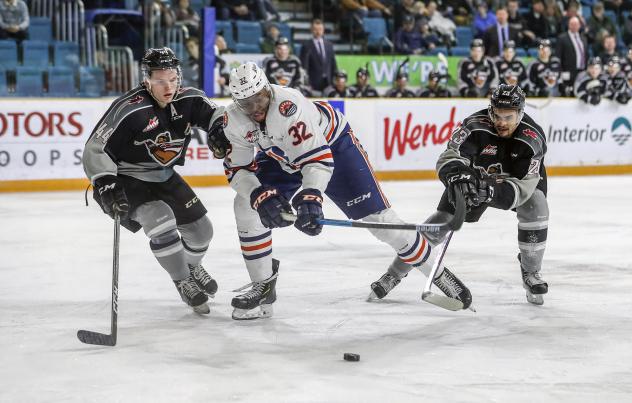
x=262, y=295
x=381, y=287
x=192, y=295
x=534, y=286
x=203, y=280
x=453, y=287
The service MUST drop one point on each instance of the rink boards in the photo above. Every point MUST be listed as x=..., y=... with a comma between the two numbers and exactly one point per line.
x=41, y=140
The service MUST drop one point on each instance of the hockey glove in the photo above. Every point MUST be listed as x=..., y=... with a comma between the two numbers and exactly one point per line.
x=270, y=203
x=217, y=141
x=465, y=180
x=309, y=209
x=109, y=193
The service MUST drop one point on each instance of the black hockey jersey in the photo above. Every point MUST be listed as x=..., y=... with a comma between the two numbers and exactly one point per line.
x=332, y=92
x=366, y=92
x=397, y=93
x=286, y=73
x=518, y=161
x=590, y=90
x=618, y=89
x=512, y=72
x=477, y=79
x=437, y=92
x=138, y=138
x=544, y=77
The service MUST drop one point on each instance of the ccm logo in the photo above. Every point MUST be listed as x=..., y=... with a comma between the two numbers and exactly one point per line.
x=106, y=188
x=191, y=202
x=359, y=199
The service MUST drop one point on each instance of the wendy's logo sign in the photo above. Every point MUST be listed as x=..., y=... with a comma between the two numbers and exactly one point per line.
x=401, y=135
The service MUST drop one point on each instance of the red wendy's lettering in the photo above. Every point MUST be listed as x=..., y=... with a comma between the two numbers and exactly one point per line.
x=415, y=136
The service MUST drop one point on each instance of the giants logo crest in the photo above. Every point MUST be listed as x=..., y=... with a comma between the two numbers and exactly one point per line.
x=162, y=149
x=287, y=108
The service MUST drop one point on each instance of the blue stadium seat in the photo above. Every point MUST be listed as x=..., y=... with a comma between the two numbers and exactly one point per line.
x=40, y=29
x=35, y=53
x=460, y=51
x=248, y=32
x=376, y=28
x=29, y=81
x=297, y=48
x=8, y=55
x=247, y=48
x=437, y=50
x=4, y=91
x=91, y=81
x=464, y=36
x=520, y=52
x=227, y=28
x=66, y=54
x=61, y=82
x=612, y=15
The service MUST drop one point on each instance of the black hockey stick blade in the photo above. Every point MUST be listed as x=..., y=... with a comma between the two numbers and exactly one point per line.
x=96, y=338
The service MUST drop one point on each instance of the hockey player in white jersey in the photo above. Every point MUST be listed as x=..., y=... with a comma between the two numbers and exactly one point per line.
x=297, y=143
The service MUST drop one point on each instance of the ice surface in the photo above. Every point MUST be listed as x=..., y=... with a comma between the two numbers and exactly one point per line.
x=55, y=274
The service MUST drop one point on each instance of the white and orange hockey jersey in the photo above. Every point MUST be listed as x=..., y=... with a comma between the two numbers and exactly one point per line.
x=297, y=133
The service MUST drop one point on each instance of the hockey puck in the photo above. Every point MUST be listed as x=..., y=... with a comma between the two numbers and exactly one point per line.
x=351, y=357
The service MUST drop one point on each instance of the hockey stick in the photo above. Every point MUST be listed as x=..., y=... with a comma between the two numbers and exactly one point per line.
x=101, y=339
x=454, y=224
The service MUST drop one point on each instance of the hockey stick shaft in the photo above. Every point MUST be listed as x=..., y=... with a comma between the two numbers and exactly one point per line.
x=89, y=337
x=454, y=225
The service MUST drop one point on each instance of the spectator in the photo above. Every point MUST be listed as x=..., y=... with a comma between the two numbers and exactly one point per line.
x=400, y=89
x=535, y=21
x=461, y=11
x=443, y=26
x=599, y=26
x=626, y=31
x=497, y=35
x=362, y=88
x=282, y=68
x=436, y=87
x=339, y=89
x=167, y=15
x=483, y=20
x=14, y=20
x=191, y=66
x=408, y=40
x=272, y=35
x=553, y=18
x=317, y=57
x=266, y=11
x=413, y=8
x=618, y=6
x=430, y=38
x=572, y=10
x=240, y=10
x=608, y=49
x=187, y=16
x=224, y=73
x=572, y=49
x=526, y=38
x=365, y=8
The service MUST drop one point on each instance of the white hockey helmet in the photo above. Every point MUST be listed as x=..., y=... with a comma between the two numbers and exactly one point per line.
x=247, y=80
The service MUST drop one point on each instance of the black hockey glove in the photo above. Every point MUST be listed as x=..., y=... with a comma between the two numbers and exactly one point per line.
x=465, y=180
x=270, y=203
x=109, y=193
x=217, y=141
x=309, y=209
x=622, y=98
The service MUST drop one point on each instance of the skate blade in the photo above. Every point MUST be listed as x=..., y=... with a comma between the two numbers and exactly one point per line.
x=535, y=299
x=372, y=297
x=264, y=311
x=442, y=301
x=201, y=309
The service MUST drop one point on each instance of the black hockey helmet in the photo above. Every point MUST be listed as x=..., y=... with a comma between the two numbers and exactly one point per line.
x=509, y=45
x=544, y=43
x=282, y=41
x=159, y=59
x=508, y=97
x=340, y=74
x=614, y=60
x=434, y=76
x=594, y=61
x=477, y=43
x=363, y=71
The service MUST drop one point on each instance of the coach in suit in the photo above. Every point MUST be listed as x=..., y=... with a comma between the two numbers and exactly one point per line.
x=572, y=50
x=496, y=35
x=318, y=59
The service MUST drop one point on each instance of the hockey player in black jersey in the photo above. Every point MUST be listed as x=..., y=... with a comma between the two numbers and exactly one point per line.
x=544, y=73
x=129, y=159
x=591, y=84
x=283, y=68
x=436, y=87
x=496, y=159
x=362, y=88
x=400, y=90
x=339, y=89
x=618, y=89
x=511, y=70
x=477, y=75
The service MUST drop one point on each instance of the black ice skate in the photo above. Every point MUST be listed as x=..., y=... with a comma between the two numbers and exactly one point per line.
x=261, y=295
x=192, y=295
x=453, y=287
x=383, y=286
x=203, y=280
x=534, y=286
